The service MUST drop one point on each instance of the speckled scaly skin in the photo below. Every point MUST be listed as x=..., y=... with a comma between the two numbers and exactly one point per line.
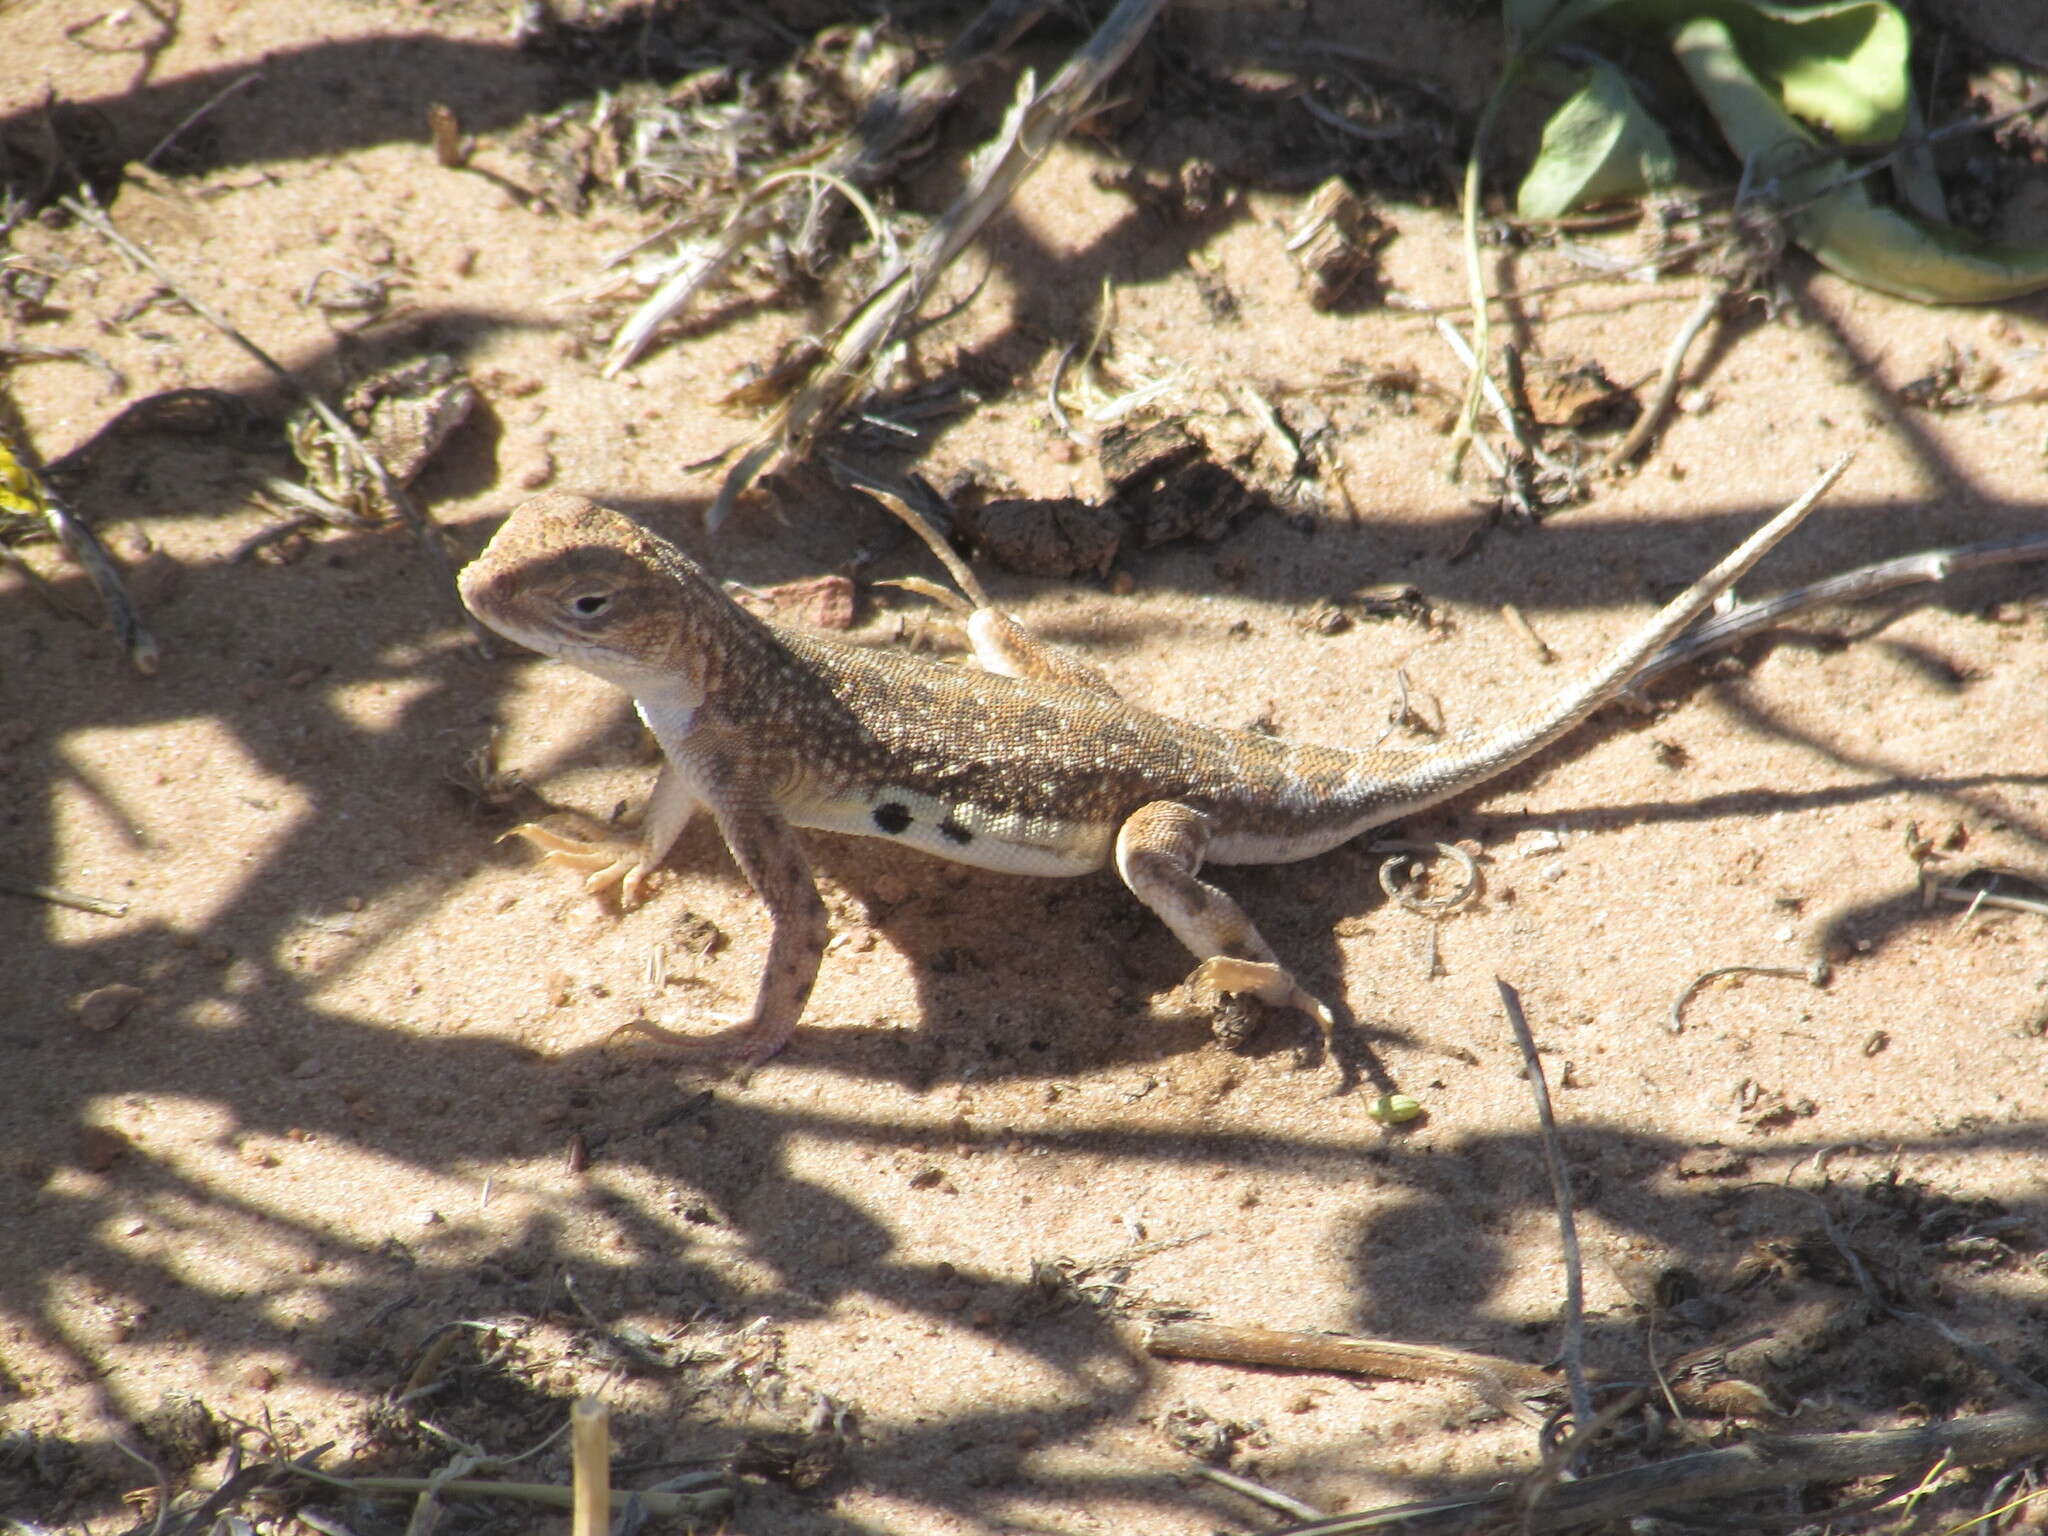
x=1048, y=773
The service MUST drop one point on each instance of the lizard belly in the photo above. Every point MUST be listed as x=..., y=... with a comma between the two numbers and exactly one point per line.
x=1005, y=841
x=1281, y=847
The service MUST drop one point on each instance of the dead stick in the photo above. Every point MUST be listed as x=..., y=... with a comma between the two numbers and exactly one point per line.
x=2015, y=1379
x=1036, y=121
x=1769, y=1461
x=1258, y=1493
x=1667, y=382
x=553, y=1495
x=1964, y=896
x=63, y=898
x=590, y=1460
x=890, y=122
x=893, y=120
x=90, y=214
x=1500, y=1381
x=24, y=491
x=1574, y=1345
x=86, y=548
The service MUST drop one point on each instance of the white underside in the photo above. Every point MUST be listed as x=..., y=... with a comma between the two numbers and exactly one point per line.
x=1263, y=848
x=1012, y=845
x=669, y=714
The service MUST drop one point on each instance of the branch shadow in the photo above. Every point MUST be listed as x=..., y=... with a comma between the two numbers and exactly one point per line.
x=344, y=683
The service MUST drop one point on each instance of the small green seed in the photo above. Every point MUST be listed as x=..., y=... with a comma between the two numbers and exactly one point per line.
x=1394, y=1109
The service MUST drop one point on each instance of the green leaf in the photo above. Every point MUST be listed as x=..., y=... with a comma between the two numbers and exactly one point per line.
x=1599, y=146
x=1840, y=65
x=1833, y=217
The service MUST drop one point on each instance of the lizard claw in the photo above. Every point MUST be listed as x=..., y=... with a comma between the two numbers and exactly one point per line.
x=1269, y=983
x=603, y=864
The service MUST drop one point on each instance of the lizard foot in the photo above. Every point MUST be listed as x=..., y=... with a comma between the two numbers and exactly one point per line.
x=1267, y=982
x=742, y=1044
x=603, y=864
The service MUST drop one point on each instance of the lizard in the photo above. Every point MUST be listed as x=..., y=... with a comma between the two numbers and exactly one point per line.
x=1030, y=764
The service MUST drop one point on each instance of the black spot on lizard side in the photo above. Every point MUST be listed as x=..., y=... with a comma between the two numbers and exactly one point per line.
x=892, y=816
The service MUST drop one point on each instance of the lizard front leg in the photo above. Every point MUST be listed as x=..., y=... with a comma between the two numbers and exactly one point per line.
x=1159, y=852
x=772, y=859
x=605, y=862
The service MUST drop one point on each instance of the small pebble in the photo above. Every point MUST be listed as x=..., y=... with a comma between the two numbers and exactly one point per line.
x=103, y=1008
x=100, y=1148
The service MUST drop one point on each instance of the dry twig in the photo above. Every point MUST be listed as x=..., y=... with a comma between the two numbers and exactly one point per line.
x=1966, y=896
x=874, y=147
x=703, y=1504
x=1258, y=1493
x=1667, y=381
x=2010, y=1376
x=590, y=1460
x=1816, y=974
x=87, y=211
x=62, y=898
x=1573, y=1348
x=1769, y=1461
x=1501, y=1382
x=25, y=493
x=1034, y=123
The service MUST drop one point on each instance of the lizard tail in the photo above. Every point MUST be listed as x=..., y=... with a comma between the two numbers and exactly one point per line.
x=1438, y=773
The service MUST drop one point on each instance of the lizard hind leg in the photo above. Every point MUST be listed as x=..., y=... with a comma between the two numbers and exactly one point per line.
x=1004, y=646
x=1001, y=645
x=1159, y=853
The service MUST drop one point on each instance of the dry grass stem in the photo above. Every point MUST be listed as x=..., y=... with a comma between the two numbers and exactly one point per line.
x=1963, y=896
x=590, y=1460
x=1501, y=1382
x=1497, y=401
x=25, y=493
x=89, y=213
x=62, y=898
x=1816, y=974
x=877, y=142
x=1033, y=124
x=1258, y=1493
x=551, y=1495
x=1573, y=1346
x=1769, y=1461
x=914, y=502
x=1667, y=381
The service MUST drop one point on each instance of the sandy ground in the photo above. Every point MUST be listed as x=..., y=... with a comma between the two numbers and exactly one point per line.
x=355, y=1128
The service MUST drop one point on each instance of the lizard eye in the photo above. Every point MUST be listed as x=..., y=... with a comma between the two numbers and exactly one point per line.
x=591, y=604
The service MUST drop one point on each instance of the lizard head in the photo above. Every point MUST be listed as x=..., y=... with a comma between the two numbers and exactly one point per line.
x=591, y=587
